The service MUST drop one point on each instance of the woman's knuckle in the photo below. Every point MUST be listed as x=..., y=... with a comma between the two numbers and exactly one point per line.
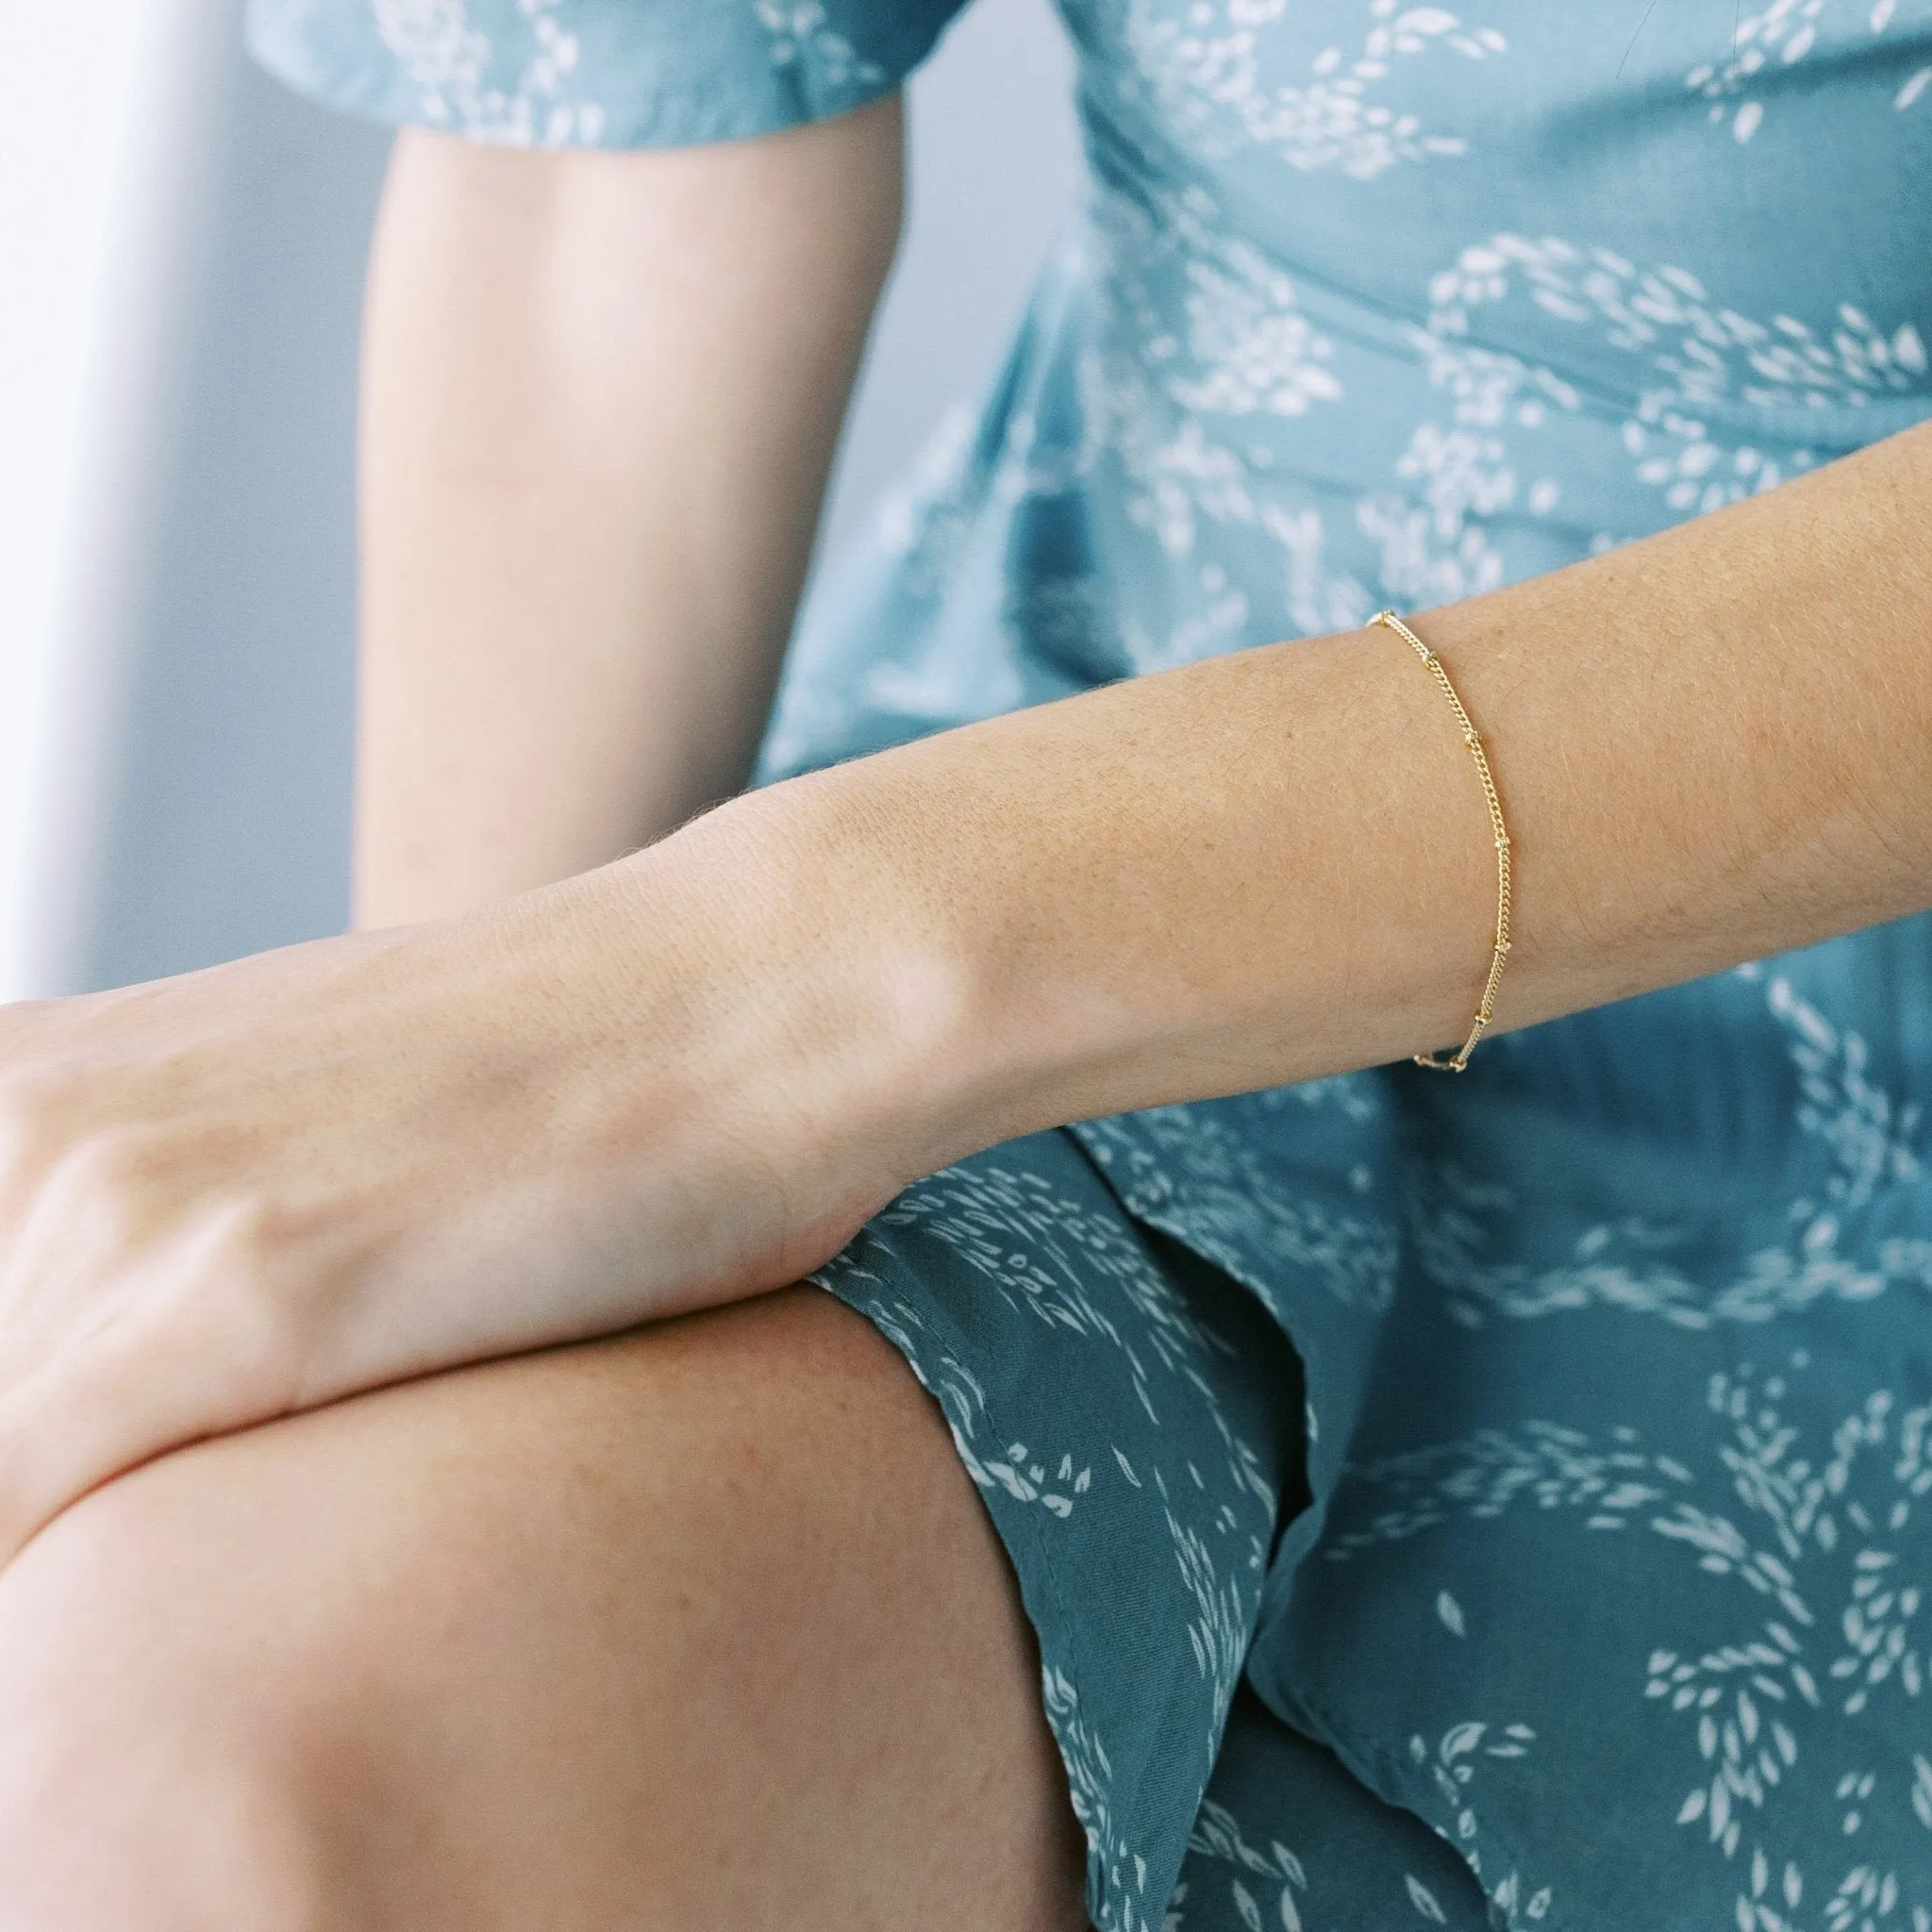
x=249, y=1281
x=110, y=1156
x=106, y=1173
x=32, y=1104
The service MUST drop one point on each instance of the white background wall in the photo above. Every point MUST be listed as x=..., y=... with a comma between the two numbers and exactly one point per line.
x=103, y=167
x=178, y=300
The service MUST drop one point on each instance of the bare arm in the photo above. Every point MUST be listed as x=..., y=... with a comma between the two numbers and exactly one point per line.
x=688, y=1074
x=1712, y=744
x=601, y=393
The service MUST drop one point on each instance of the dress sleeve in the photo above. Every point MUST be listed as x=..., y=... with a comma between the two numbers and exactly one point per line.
x=595, y=73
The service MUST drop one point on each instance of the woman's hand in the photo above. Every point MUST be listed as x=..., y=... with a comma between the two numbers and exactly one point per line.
x=257, y=1188
x=688, y=1076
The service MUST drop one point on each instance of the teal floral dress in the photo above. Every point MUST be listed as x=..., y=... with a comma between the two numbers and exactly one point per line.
x=1497, y=1500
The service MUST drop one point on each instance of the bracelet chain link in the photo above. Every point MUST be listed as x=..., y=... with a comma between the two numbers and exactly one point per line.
x=1485, y=1007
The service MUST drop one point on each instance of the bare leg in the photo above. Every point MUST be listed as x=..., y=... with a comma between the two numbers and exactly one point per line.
x=702, y=1627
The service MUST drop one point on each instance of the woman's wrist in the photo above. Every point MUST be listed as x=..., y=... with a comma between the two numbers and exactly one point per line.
x=1073, y=910
x=850, y=1019
x=1188, y=885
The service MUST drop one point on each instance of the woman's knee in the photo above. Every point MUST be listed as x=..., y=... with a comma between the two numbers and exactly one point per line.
x=145, y=1743
x=236, y=1685
x=517, y=1646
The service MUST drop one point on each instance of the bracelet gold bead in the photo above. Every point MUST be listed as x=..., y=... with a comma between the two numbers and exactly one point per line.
x=1460, y=1060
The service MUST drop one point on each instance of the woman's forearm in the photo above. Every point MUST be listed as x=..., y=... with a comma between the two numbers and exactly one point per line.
x=601, y=392
x=1711, y=745
x=691, y=1075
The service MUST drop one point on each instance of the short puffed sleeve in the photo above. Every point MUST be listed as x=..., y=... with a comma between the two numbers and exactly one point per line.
x=595, y=73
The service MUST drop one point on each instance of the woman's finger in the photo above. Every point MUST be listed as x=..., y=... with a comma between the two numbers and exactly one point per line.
x=194, y=1349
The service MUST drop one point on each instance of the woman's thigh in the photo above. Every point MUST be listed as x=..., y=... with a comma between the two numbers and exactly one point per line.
x=702, y=1626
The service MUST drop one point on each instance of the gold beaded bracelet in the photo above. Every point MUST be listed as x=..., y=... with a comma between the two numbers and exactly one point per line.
x=1460, y=1060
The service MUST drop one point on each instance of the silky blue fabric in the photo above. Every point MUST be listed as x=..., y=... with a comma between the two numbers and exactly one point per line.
x=1443, y=1501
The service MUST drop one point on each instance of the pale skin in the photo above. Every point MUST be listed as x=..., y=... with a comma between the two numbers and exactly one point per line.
x=703, y=1627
